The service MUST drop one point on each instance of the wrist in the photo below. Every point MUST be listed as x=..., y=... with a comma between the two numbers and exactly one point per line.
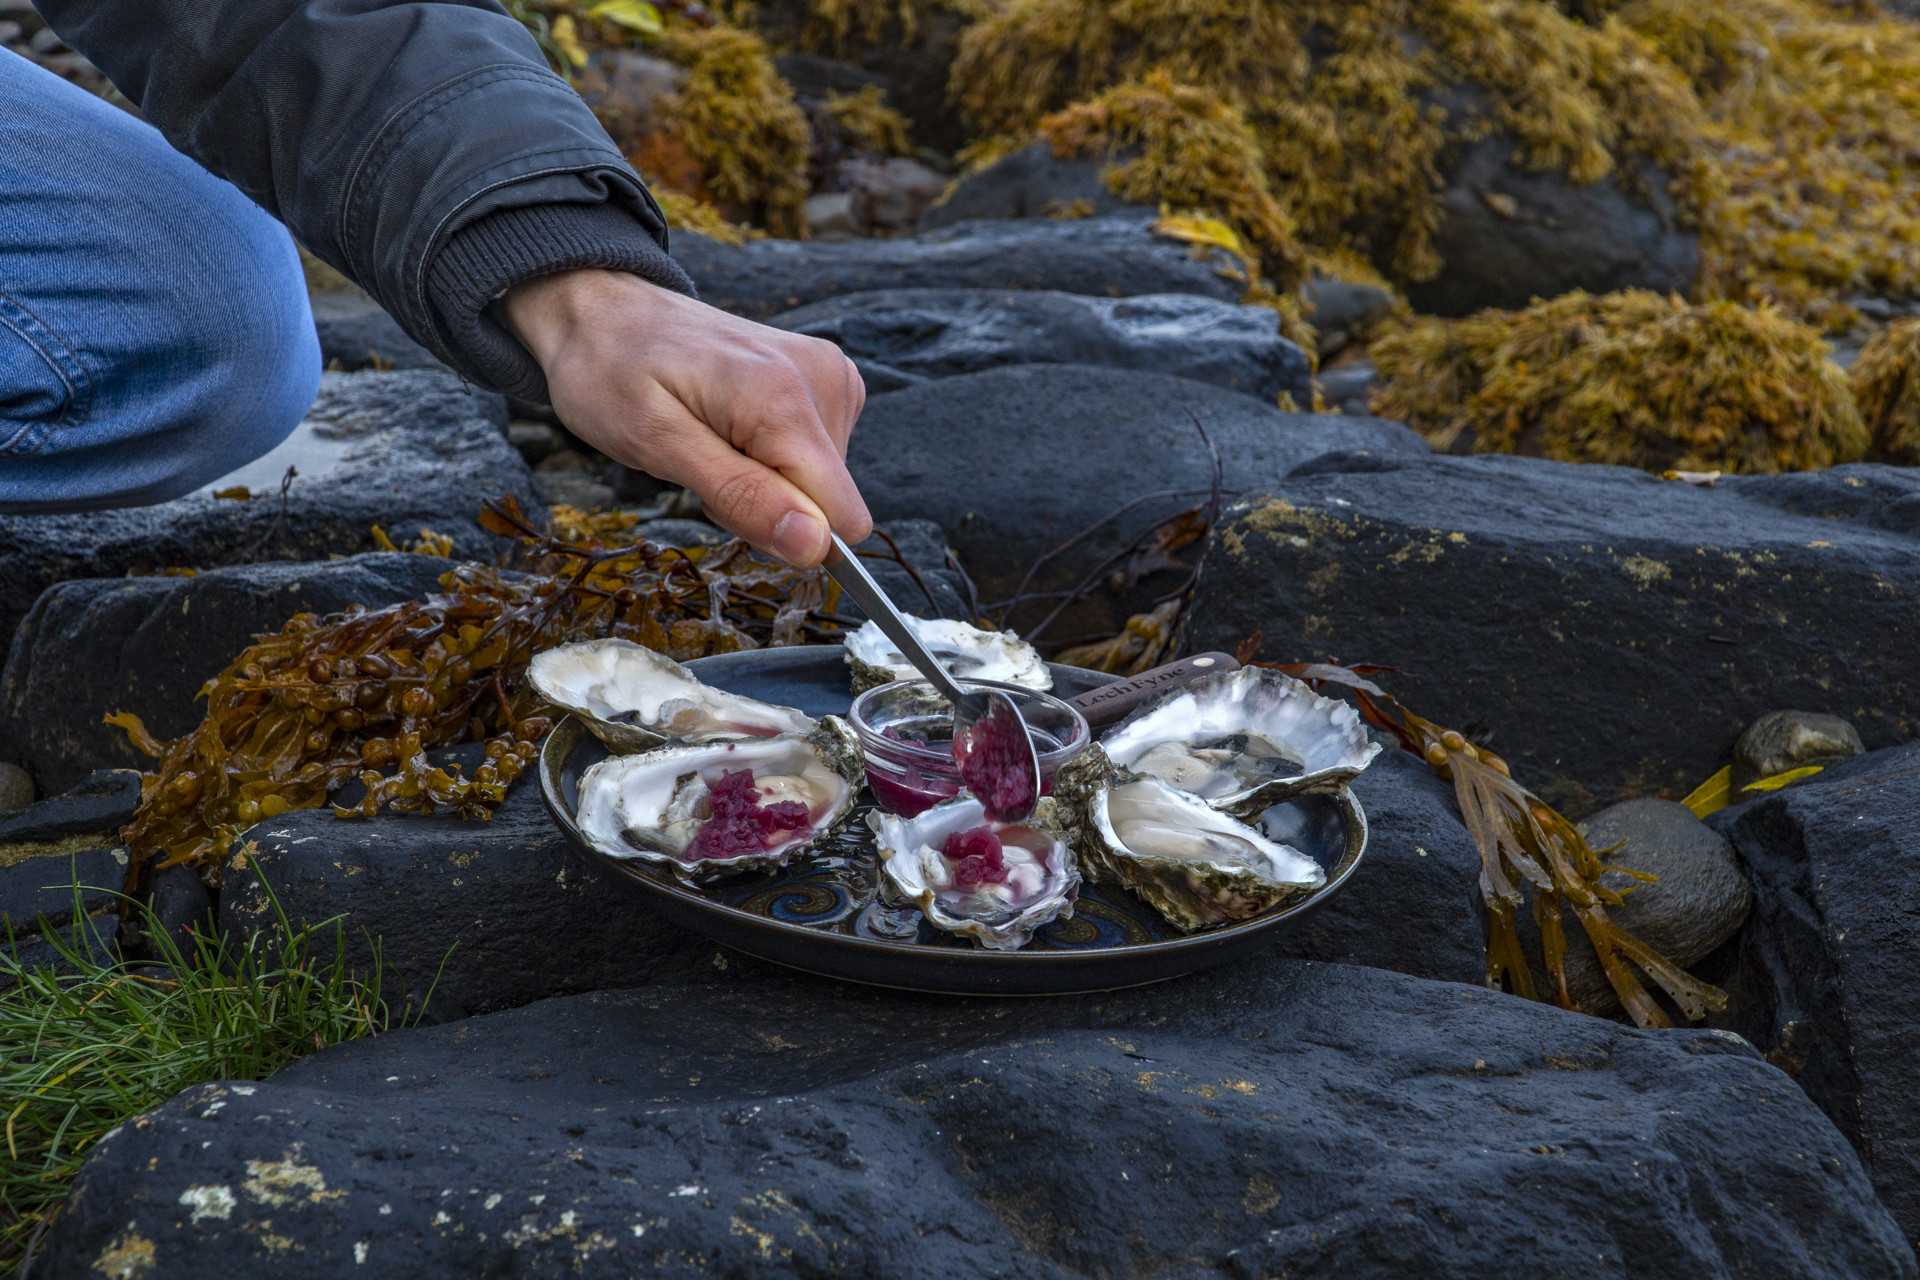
x=549, y=313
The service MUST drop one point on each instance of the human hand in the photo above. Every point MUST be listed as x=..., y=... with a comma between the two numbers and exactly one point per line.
x=754, y=420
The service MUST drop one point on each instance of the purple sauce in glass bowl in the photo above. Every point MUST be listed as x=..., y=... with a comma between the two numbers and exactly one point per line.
x=906, y=730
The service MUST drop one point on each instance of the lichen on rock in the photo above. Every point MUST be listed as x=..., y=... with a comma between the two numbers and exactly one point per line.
x=1629, y=378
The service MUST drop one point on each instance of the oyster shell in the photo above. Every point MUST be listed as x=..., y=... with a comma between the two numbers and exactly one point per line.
x=652, y=805
x=1042, y=878
x=1192, y=863
x=1243, y=740
x=968, y=652
x=633, y=698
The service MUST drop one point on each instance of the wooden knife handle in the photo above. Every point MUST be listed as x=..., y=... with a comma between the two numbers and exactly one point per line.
x=1110, y=702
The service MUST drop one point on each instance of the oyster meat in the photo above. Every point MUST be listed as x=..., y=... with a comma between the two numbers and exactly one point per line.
x=1193, y=864
x=1243, y=740
x=968, y=652
x=713, y=809
x=633, y=698
x=994, y=882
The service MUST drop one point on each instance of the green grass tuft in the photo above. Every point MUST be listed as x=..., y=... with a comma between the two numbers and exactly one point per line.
x=85, y=1050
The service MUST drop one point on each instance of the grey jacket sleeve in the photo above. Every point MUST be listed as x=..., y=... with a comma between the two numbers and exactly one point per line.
x=423, y=148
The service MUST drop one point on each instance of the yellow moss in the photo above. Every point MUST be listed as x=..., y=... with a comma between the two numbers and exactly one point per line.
x=832, y=26
x=1176, y=144
x=867, y=123
x=1886, y=384
x=1351, y=133
x=738, y=120
x=688, y=213
x=1813, y=141
x=1630, y=378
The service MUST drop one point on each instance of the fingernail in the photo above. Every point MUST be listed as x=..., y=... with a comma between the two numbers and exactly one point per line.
x=798, y=537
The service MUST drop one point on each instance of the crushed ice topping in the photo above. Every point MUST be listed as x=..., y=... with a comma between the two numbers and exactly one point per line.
x=740, y=824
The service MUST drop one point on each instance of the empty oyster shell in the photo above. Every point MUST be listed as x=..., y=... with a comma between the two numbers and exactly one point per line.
x=1042, y=878
x=655, y=804
x=968, y=652
x=633, y=698
x=1243, y=740
x=1192, y=863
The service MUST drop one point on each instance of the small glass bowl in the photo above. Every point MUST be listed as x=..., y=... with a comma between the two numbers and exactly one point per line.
x=915, y=771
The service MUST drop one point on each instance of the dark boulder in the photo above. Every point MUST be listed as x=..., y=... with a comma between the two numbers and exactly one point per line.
x=405, y=451
x=69, y=841
x=1414, y=904
x=1032, y=183
x=1508, y=236
x=488, y=915
x=1613, y=632
x=357, y=333
x=909, y=62
x=1104, y=257
x=902, y=337
x=1273, y=1118
x=1835, y=865
x=146, y=645
x=1014, y=461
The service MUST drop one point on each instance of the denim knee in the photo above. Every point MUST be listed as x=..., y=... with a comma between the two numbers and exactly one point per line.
x=154, y=327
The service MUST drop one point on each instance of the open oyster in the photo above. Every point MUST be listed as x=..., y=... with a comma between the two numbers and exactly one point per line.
x=994, y=882
x=1243, y=740
x=968, y=652
x=1192, y=863
x=633, y=698
x=712, y=809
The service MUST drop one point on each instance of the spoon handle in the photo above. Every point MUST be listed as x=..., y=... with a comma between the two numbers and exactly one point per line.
x=858, y=583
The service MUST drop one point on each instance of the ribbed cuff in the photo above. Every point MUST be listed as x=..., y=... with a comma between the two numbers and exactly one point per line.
x=484, y=259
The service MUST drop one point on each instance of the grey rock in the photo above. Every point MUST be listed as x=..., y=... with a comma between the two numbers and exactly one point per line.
x=1012, y=462
x=1272, y=1118
x=810, y=75
x=1348, y=387
x=1104, y=257
x=911, y=68
x=924, y=585
x=146, y=645
x=574, y=488
x=888, y=192
x=16, y=787
x=1700, y=900
x=1785, y=740
x=94, y=939
x=1031, y=183
x=534, y=440
x=181, y=907
x=99, y=805
x=64, y=848
x=1508, y=236
x=357, y=333
x=1613, y=631
x=831, y=216
x=1343, y=312
x=1834, y=862
x=1414, y=904
x=682, y=533
x=486, y=915
x=400, y=450
x=901, y=337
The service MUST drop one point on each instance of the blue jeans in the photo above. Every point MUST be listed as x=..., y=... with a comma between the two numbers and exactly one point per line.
x=154, y=329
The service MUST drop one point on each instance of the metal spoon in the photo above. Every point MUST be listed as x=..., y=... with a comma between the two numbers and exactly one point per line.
x=970, y=708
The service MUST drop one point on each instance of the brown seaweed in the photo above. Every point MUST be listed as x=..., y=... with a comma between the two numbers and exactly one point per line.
x=367, y=693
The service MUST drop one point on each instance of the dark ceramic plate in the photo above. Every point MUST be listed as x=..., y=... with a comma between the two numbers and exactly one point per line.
x=824, y=914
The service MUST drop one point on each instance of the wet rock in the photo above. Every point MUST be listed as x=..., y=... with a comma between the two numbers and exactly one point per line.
x=534, y=440
x=1413, y=906
x=901, y=337
x=1835, y=864
x=910, y=65
x=888, y=193
x=69, y=841
x=405, y=451
x=1104, y=257
x=146, y=645
x=1508, y=236
x=1012, y=462
x=574, y=488
x=810, y=75
x=488, y=915
x=1273, y=1118
x=1781, y=741
x=1700, y=900
x=16, y=787
x=908, y=558
x=831, y=216
x=1613, y=632
x=182, y=906
x=356, y=333
x=1348, y=387
x=682, y=533
x=1033, y=183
